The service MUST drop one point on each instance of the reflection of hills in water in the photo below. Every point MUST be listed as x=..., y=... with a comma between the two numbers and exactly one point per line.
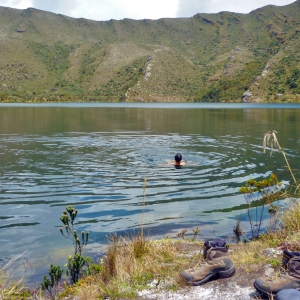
x=39, y=119
x=97, y=158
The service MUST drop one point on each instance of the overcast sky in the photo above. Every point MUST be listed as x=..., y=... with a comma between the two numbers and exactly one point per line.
x=140, y=9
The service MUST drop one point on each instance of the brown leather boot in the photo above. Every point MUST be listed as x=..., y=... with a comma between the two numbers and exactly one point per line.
x=216, y=265
x=287, y=280
x=287, y=255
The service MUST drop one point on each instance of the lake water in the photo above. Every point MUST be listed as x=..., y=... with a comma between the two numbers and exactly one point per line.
x=96, y=156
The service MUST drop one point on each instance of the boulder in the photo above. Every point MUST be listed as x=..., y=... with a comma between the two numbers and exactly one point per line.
x=246, y=97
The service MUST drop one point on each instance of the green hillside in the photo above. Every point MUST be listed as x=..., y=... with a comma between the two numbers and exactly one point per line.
x=205, y=58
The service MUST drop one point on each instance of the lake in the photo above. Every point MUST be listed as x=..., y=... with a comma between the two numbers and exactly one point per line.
x=97, y=156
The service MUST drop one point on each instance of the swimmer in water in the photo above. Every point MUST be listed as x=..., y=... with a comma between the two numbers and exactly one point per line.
x=178, y=160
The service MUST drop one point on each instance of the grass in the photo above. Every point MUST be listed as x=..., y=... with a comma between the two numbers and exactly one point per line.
x=130, y=264
x=135, y=262
x=9, y=288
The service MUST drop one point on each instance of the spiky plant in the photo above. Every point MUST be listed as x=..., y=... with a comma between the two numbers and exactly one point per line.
x=77, y=261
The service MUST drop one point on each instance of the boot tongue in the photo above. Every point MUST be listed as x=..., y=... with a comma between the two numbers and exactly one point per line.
x=217, y=252
x=294, y=267
x=216, y=243
x=209, y=245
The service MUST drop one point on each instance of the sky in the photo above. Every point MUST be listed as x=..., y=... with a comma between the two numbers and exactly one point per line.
x=102, y=10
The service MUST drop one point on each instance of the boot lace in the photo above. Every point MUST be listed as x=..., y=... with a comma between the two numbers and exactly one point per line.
x=199, y=266
x=277, y=276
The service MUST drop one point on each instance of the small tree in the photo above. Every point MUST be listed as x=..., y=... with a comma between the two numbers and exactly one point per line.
x=260, y=193
x=77, y=262
x=52, y=285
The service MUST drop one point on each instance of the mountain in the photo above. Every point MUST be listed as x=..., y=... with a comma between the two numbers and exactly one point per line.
x=223, y=57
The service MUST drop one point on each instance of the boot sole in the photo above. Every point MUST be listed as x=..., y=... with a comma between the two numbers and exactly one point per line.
x=221, y=274
x=263, y=292
x=271, y=294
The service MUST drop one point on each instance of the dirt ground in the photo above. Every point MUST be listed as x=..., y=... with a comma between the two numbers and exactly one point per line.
x=238, y=287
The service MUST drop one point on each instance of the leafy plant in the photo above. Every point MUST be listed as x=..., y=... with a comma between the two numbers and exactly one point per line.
x=182, y=233
x=77, y=262
x=260, y=193
x=274, y=262
x=52, y=285
x=196, y=231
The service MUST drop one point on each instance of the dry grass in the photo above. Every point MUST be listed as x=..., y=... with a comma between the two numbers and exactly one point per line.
x=136, y=258
x=8, y=287
x=287, y=232
x=131, y=264
x=249, y=256
x=89, y=292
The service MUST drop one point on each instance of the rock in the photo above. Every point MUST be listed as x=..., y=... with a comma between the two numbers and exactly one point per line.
x=246, y=97
x=231, y=284
x=271, y=252
x=265, y=71
x=154, y=283
x=268, y=270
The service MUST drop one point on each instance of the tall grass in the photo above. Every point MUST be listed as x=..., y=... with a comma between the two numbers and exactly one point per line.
x=9, y=287
x=286, y=232
x=130, y=264
x=270, y=140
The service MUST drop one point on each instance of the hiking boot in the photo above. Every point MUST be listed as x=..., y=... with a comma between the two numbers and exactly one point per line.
x=217, y=265
x=213, y=244
x=287, y=280
x=286, y=256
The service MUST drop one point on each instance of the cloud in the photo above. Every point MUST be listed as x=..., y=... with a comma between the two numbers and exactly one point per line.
x=102, y=9
x=120, y=9
x=20, y=4
x=65, y=7
x=140, y=9
x=188, y=8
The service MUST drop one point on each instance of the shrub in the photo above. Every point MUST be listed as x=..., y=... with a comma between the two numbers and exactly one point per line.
x=77, y=262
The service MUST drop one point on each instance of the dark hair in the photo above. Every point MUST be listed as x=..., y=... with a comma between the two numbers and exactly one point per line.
x=178, y=157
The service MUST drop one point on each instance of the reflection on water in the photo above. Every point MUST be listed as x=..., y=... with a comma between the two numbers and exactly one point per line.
x=96, y=158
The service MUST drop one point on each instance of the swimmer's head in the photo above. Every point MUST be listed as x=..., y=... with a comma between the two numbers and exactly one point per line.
x=178, y=157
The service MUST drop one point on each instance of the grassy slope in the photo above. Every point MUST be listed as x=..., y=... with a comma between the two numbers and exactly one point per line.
x=209, y=57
